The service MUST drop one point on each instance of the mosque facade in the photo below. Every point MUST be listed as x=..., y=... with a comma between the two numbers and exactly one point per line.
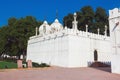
x=60, y=46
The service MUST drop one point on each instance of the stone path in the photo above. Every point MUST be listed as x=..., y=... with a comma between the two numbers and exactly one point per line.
x=55, y=73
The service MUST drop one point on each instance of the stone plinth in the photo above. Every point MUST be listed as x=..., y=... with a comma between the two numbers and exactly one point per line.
x=29, y=64
x=19, y=63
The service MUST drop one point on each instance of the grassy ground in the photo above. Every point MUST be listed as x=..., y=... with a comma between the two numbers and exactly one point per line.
x=7, y=65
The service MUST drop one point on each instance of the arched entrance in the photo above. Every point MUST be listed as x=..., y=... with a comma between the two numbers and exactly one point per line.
x=95, y=55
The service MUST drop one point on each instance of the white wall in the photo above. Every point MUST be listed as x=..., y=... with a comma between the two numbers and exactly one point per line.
x=70, y=49
x=81, y=50
x=78, y=51
x=52, y=51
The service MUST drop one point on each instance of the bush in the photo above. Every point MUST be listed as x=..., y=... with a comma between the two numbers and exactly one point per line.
x=40, y=65
x=34, y=64
x=44, y=65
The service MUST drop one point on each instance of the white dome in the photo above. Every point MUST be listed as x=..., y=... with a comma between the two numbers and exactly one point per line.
x=45, y=22
x=56, y=20
x=56, y=25
x=45, y=28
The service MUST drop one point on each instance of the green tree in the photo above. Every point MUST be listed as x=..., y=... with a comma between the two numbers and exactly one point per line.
x=12, y=21
x=94, y=19
x=14, y=37
x=3, y=39
x=101, y=19
x=67, y=20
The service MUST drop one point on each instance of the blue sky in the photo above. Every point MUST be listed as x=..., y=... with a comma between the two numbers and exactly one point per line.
x=47, y=8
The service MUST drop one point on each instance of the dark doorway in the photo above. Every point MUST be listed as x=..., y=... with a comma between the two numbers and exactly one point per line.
x=95, y=55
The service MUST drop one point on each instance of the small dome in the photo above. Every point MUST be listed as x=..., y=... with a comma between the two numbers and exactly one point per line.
x=75, y=14
x=56, y=25
x=45, y=28
x=56, y=20
x=45, y=22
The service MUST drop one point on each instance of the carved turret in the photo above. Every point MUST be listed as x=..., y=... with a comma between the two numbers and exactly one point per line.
x=75, y=22
x=36, y=30
x=105, y=33
x=98, y=30
x=86, y=28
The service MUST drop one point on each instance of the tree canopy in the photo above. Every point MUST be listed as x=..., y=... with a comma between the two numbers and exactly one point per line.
x=87, y=16
x=14, y=36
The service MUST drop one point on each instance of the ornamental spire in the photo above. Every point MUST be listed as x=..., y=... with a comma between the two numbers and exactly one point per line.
x=56, y=14
x=75, y=22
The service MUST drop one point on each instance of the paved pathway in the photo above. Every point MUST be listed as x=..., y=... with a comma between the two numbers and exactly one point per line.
x=56, y=73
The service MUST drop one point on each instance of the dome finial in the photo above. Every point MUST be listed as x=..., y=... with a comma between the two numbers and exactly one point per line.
x=56, y=14
x=44, y=18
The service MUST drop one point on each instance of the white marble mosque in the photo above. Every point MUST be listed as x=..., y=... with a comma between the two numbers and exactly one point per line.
x=59, y=46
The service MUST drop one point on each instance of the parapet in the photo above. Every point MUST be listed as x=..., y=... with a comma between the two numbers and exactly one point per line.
x=70, y=32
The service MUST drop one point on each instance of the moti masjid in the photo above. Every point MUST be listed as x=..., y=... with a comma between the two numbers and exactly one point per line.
x=59, y=46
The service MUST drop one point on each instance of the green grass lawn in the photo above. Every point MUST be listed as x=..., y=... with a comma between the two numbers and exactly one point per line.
x=7, y=65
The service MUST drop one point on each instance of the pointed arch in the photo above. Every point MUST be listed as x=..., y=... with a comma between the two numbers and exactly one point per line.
x=95, y=55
